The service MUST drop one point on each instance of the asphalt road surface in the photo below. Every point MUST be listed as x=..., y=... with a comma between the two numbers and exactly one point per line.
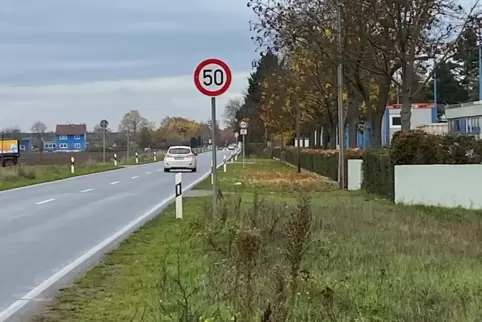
x=48, y=230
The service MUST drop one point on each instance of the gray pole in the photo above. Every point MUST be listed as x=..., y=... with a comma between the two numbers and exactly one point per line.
x=103, y=147
x=341, y=117
x=213, y=144
x=298, y=134
x=244, y=143
x=128, y=144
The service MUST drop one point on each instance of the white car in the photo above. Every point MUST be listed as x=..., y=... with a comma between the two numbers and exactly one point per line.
x=180, y=157
x=232, y=147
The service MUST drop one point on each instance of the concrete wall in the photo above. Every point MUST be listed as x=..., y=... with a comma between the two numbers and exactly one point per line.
x=439, y=185
x=354, y=175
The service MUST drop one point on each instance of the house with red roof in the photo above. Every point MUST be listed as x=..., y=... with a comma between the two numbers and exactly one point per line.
x=71, y=138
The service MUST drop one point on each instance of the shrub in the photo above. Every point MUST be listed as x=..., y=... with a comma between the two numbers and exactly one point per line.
x=378, y=173
x=322, y=162
x=418, y=147
x=258, y=150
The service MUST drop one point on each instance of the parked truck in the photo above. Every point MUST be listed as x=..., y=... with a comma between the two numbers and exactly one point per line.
x=9, y=152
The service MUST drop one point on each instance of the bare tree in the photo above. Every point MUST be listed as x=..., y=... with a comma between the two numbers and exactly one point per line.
x=39, y=128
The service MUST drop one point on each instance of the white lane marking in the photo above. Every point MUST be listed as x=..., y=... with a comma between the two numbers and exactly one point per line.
x=115, y=182
x=135, y=177
x=38, y=290
x=148, y=172
x=159, y=169
x=87, y=190
x=45, y=201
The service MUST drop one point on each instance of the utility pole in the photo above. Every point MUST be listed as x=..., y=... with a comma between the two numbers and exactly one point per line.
x=341, y=116
x=128, y=143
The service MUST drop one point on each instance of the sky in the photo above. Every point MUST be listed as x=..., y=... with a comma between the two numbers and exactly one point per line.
x=81, y=61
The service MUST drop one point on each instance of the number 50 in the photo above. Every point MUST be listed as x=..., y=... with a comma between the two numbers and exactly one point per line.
x=216, y=77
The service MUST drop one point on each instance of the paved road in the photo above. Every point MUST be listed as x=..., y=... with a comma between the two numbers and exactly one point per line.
x=45, y=228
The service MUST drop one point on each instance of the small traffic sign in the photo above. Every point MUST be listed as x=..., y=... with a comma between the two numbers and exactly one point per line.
x=244, y=132
x=243, y=125
x=104, y=124
x=236, y=135
x=212, y=77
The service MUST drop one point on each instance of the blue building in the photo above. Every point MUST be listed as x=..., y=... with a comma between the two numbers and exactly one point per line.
x=465, y=118
x=69, y=138
x=25, y=144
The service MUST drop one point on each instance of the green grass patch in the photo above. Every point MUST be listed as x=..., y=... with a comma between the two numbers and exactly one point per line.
x=308, y=255
x=22, y=175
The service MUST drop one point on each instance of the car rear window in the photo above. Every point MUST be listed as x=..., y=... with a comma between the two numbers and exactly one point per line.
x=179, y=151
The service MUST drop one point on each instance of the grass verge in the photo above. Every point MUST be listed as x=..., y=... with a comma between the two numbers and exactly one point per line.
x=275, y=254
x=23, y=175
x=143, y=158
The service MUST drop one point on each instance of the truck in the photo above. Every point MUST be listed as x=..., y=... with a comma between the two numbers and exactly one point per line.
x=9, y=152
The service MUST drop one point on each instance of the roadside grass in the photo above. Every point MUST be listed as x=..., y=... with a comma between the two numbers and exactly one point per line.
x=24, y=175
x=143, y=158
x=304, y=256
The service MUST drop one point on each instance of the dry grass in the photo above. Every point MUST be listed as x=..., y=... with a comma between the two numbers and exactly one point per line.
x=333, y=257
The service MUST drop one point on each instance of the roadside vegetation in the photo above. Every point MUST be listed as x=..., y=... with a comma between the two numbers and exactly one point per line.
x=25, y=175
x=273, y=253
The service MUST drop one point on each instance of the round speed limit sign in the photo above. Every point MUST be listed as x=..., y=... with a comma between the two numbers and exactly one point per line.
x=212, y=77
x=243, y=124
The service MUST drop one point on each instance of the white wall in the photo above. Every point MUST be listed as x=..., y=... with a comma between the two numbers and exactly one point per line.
x=355, y=175
x=439, y=185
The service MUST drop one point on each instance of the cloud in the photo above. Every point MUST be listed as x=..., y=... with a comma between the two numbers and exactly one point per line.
x=90, y=102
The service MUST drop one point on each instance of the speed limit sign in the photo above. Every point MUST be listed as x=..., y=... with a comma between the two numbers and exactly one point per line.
x=243, y=124
x=212, y=77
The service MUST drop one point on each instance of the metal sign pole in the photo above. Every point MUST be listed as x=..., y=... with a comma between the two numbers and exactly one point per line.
x=103, y=145
x=244, y=141
x=213, y=144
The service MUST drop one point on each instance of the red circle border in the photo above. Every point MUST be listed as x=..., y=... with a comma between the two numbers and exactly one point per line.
x=223, y=65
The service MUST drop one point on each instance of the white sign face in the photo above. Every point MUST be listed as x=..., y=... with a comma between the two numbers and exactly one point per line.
x=236, y=135
x=209, y=141
x=243, y=125
x=244, y=132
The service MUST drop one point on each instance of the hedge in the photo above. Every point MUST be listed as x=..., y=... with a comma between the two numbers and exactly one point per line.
x=322, y=162
x=416, y=147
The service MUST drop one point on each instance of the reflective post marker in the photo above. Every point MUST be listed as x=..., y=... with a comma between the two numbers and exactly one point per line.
x=225, y=165
x=137, y=158
x=178, y=181
x=115, y=159
x=72, y=165
x=155, y=156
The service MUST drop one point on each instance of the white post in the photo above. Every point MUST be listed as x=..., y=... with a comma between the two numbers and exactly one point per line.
x=178, y=179
x=137, y=158
x=115, y=159
x=232, y=158
x=236, y=156
x=225, y=165
x=155, y=156
x=212, y=173
x=72, y=165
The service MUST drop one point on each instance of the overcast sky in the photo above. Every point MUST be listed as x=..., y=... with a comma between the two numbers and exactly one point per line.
x=81, y=61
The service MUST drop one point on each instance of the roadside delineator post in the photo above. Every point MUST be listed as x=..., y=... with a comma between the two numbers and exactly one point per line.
x=212, y=173
x=115, y=159
x=236, y=156
x=225, y=165
x=232, y=158
x=155, y=156
x=137, y=158
x=72, y=165
x=178, y=181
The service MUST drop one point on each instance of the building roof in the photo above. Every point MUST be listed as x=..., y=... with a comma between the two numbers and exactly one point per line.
x=71, y=129
x=414, y=105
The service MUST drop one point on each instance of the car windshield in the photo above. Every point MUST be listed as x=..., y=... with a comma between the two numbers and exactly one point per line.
x=179, y=151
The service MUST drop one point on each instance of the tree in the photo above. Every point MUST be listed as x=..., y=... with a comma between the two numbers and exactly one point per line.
x=233, y=106
x=466, y=56
x=132, y=122
x=145, y=137
x=450, y=90
x=39, y=129
x=12, y=133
